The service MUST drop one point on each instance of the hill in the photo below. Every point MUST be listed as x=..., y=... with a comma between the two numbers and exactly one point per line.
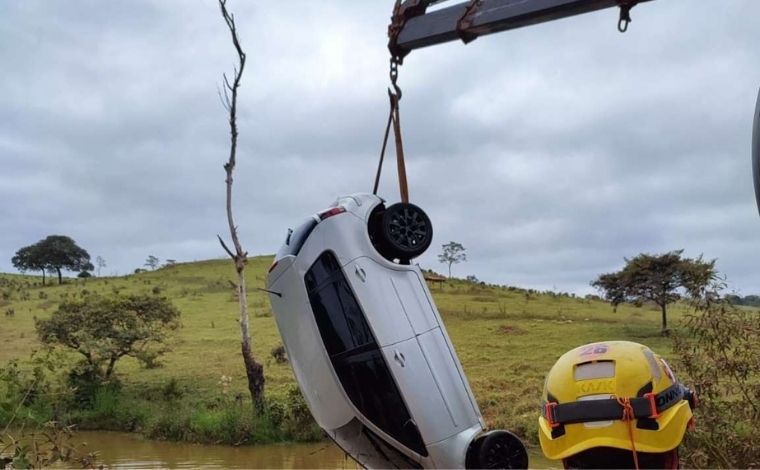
x=507, y=339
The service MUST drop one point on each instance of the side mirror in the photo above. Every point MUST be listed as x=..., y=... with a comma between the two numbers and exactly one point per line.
x=756, y=151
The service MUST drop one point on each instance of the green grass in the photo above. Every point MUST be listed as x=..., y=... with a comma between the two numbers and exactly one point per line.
x=506, y=338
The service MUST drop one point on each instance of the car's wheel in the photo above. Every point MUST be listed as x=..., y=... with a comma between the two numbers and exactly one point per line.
x=498, y=449
x=473, y=453
x=405, y=232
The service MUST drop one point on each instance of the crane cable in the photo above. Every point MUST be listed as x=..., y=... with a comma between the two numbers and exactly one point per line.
x=394, y=118
x=399, y=17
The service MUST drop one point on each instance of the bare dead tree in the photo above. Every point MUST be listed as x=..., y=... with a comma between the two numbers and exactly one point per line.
x=254, y=371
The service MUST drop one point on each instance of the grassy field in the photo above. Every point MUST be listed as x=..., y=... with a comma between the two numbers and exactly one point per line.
x=507, y=339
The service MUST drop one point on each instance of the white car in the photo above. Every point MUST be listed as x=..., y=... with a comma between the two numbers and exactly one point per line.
x=367, y=344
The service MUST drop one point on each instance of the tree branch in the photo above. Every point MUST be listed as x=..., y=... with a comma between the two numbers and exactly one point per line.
x=224, y=245
x=223, y=99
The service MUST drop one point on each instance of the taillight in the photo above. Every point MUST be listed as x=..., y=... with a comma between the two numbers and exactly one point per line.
x=331, y=212
x=271, y=268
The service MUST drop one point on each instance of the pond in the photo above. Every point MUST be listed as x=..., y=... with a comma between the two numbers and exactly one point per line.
x=124, y=451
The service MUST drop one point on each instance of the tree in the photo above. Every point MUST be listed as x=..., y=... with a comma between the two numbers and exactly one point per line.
x=453, y=253
x=100, y=263
x=29, y=258
x=105, y=329
x=749, y=300
x=152, y=262
x=54, y=253
x=656, y=278
x=253, y=369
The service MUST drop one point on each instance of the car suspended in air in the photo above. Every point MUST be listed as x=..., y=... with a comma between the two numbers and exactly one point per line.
x=367, y=344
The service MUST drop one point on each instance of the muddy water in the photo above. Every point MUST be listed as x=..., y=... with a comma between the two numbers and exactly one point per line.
x=125, y=451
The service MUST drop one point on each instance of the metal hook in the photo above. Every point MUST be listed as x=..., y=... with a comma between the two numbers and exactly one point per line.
x=625, y=17
x=623, y=25
x=394, y=77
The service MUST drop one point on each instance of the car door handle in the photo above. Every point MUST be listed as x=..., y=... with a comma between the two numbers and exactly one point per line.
x=360, y=273
x=399, y=357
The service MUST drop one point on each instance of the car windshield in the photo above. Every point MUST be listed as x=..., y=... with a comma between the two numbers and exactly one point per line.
x=296, y=238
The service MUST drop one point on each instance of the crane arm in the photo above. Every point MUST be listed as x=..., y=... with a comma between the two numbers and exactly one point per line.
x=412, y=28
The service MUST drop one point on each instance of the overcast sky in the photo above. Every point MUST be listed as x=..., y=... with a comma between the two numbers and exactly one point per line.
x=550, y=152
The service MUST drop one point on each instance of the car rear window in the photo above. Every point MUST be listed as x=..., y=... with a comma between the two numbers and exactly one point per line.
x=296, y=238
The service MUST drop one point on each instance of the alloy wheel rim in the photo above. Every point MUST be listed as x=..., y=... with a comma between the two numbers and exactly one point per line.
x=407, y=228
x=503, y=455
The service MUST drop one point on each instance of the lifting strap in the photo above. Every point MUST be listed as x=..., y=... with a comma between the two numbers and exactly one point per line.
x=394, y=119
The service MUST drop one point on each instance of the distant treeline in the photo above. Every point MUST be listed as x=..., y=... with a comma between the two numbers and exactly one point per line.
x=749, y=300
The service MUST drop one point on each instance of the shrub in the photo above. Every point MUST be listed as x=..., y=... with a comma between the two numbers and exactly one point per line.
x=301, y=425
x=279, y=354
x=276, y=411
x=105, y=329
x=85, y=381
x=45, y=447
x=151, y=358
x=164, y=426
x=719, y=352
x=33, y=392
x=172, y=391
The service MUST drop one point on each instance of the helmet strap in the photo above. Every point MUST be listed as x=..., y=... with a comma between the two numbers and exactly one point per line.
x=629, y=416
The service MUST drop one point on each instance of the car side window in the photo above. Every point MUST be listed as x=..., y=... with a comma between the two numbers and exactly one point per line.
x=339, y=317
x=354, y=353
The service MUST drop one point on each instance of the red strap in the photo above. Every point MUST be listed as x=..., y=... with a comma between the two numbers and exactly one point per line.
x=652, y=397
x=549, y=413
x=629, y=415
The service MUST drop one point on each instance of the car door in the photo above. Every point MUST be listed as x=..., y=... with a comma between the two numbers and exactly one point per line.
x=355, y=355
x=431, y=385
x=392, y=298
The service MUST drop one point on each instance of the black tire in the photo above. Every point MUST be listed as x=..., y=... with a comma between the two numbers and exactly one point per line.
x=498, y=449
x=405, y=232
x=473, y=453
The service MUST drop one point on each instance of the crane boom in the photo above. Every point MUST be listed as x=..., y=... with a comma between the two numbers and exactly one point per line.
x=412, y=28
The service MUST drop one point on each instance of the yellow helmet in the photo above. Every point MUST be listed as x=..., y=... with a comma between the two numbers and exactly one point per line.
x=585, y=394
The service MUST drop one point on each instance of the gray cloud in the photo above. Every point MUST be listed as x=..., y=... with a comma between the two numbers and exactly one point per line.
x=550, y=152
